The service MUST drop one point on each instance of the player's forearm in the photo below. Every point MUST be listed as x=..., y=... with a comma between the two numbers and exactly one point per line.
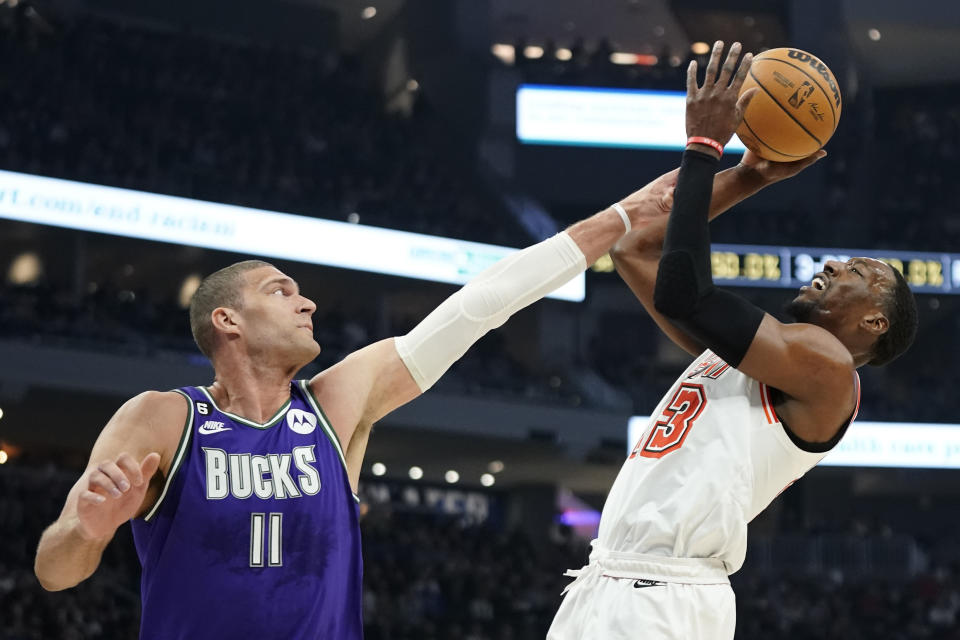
x=636, y=256
x=732, y=186
x=64, y=557
x=597, y=234
x=684, y=290
x=487, y=301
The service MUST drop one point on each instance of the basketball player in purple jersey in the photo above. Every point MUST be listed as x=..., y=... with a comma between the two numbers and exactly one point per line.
x=760, y=407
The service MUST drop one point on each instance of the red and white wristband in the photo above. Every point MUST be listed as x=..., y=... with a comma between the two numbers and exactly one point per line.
x=710, y=142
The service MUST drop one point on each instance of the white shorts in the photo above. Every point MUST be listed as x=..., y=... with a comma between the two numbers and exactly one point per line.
x=620, y=596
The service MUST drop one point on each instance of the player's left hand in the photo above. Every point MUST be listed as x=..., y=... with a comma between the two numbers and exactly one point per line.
x=771, y=172
x=715, y=109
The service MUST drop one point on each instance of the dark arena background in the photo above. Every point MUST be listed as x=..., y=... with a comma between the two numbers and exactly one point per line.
x=429, y=117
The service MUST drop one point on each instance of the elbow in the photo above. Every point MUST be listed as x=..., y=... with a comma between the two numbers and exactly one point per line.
x=675, y=295
x=50, y=583
x=671, y=303
x=619, y=252
x=47, y=573
x=661, y=299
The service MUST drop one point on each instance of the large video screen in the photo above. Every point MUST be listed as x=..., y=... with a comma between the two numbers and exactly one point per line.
x=195, y=223
x=597, y=117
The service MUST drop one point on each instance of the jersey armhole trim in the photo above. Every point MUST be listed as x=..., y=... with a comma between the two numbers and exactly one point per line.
x=324, y=422
x=821, y=447
x=177, y=458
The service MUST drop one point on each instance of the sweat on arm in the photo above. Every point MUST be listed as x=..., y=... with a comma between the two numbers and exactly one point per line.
x=685, y=292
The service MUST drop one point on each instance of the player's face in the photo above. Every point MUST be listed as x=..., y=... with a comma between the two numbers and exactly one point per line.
x=844, y=291
x=276, y=320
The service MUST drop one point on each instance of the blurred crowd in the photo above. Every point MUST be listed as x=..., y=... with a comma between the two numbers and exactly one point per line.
x=247, y=124
x=918, y=134
x=140, y=323
x=429, y=577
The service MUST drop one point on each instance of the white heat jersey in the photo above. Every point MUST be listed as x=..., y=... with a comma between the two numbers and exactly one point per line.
x=714, y=455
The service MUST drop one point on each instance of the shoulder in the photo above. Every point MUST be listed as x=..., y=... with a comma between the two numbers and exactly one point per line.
x=157, y=415
x=800, y=359
x=151, y=421
x=825, y=401
x=157, y=405
x=809, y=342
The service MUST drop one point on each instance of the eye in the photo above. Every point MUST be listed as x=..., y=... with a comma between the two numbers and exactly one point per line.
x=854, y=269
x=278, y=290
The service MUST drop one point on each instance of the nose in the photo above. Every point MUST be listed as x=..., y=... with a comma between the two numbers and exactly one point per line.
x=307, y=305
x=832, y=267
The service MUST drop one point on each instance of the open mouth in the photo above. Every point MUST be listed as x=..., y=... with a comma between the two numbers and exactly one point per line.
x=819, y=283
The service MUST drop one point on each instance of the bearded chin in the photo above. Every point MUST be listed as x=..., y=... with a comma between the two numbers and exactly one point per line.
x=800, y=310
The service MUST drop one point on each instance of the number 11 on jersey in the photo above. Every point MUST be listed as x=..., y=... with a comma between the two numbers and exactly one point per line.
x=259, y=546
x=674, y=424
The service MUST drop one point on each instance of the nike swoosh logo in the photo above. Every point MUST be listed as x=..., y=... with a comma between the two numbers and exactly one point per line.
x=208, y=431
x=643, y=584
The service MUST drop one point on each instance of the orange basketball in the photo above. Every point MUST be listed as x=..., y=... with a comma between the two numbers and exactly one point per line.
x=796, y=109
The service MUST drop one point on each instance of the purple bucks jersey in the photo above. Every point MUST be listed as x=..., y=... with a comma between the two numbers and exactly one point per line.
x=255, y=534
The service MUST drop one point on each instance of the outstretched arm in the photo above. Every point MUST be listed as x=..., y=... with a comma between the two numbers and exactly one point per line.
x=805, y=362
x=375, y=380
x=637, y=255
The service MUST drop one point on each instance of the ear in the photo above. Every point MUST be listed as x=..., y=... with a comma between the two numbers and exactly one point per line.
x=875, y=323
x=225, y=320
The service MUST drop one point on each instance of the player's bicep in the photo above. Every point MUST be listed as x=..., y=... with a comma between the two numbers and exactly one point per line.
x=365, y=386
x=801, y=360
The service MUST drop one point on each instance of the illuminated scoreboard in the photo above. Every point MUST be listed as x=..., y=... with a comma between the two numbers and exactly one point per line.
x=793, y=267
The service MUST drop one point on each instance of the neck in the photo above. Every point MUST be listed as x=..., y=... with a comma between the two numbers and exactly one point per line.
x=860, y=348
x=252, y=390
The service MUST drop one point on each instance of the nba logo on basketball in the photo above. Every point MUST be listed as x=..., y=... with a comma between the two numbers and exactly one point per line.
x=801, y=94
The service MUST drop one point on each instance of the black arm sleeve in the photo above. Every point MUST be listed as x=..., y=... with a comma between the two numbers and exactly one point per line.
x=684, y=291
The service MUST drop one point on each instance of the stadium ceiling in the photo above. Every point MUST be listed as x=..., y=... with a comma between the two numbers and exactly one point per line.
x=917, y=41
x=357, y=25
x=635, y=26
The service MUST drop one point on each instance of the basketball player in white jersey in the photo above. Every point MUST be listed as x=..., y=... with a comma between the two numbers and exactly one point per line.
x=753, y=412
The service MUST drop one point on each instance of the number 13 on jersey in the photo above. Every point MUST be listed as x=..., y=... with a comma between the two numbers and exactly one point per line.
x=674, y=423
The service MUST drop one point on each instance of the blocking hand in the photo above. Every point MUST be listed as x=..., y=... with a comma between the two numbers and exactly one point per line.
x=112, y=493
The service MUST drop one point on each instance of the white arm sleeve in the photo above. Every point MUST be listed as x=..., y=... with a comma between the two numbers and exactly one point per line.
x=485, y=303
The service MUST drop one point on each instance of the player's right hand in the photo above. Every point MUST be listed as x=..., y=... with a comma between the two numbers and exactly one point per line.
x=112, y=492
x=715, y=110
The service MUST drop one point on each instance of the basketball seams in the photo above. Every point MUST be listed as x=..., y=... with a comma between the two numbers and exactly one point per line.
x=826, y=92
x=784, y=109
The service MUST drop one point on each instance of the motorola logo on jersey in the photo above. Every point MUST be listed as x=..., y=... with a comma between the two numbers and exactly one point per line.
x=243, y=475
x=301, y=422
